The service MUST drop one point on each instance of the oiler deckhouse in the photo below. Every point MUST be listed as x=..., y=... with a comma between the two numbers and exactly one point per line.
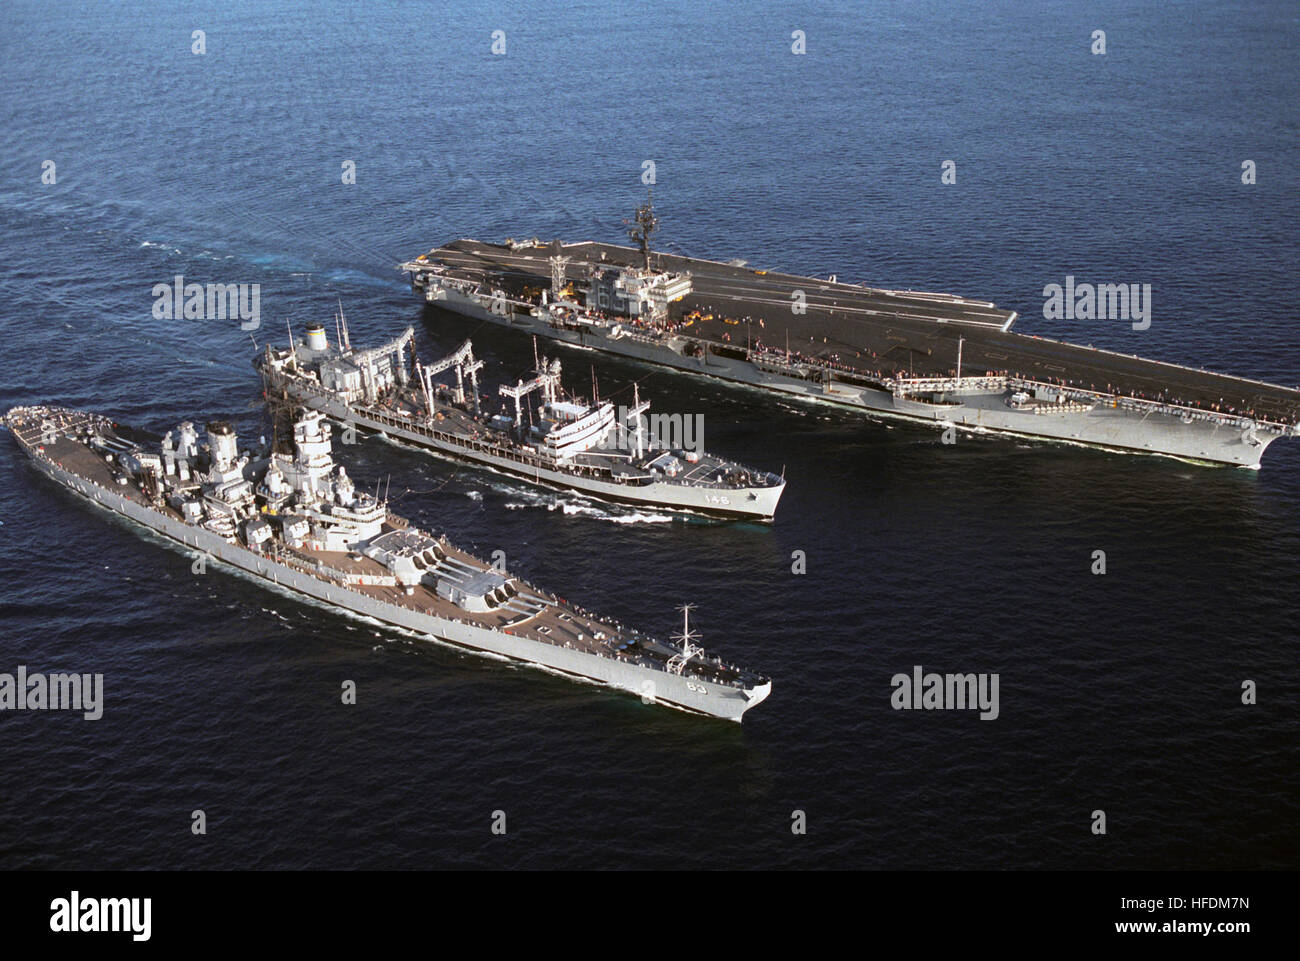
x=563, y=442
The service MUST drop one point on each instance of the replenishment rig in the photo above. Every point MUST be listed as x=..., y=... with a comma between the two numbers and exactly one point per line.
x=565, y=443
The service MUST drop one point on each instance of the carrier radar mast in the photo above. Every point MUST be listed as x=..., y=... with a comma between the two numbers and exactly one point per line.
x=646, y=222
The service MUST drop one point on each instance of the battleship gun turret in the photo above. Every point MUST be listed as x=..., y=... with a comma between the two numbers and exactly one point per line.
x=296, y=521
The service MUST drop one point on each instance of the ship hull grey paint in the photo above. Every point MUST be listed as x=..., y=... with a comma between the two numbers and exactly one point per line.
x=1113, y=428
x=749, y=503
x=682, y=693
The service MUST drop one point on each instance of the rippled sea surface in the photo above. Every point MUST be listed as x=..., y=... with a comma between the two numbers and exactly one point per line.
x=1119, y=692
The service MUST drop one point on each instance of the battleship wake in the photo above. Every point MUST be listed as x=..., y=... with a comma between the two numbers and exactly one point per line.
x=288, y=516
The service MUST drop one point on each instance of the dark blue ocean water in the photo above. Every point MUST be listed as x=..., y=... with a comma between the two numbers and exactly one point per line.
x=1118, y=692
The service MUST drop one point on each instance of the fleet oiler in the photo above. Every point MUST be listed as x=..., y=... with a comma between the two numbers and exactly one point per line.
x=565, y=443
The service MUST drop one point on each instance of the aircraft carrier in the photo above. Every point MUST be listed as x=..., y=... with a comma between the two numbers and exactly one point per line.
x=568, y=444
x=939, y=358
x=286, y=515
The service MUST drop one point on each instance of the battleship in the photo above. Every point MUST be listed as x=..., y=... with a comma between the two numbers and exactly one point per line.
x=939, y=358
x=569, y=444
x=285, y=514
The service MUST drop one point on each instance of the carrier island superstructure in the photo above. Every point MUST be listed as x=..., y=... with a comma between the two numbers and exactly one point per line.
x=932, y=357
x=565, y=443
x=288, y=516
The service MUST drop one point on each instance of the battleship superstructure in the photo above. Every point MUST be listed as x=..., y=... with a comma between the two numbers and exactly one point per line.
x=932, y=357
x=569, y=443
x=292, y=518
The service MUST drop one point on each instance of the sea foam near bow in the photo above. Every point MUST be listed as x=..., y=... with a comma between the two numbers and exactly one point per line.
x=54, y=692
